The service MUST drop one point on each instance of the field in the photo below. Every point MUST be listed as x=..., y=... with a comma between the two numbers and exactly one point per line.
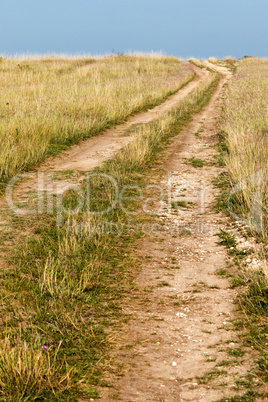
x=50, y=103
x=91, y=300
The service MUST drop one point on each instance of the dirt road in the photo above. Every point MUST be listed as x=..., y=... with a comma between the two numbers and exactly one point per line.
x=182, y=312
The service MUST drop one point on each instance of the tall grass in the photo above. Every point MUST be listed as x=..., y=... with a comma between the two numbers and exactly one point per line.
x=245, y=121
x=51, y=102
x=27, y=370
x=213, y=60
x=66, y=282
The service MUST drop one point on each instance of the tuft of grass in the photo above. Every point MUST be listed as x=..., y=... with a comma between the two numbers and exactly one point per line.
x=237, y=352
x=58, y=281
x=211, y=375
x=182, y=204
x=249, y=396
x=195, y=162
x=245, y=125
x=224, y=273
x=213, y=60
x=163, y=283
x=196, y=62
x=30, y=370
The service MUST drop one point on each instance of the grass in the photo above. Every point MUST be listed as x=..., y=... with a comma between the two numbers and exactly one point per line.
x=182, y=204
x=249, y=396
x=228, y=62
x=196, y=62
x=50, y=103
x=238, y=352
x=211, y=375
x=245, y=123
x=196, y=162
x=66, y=282
x=243, y=148
x=27, y=370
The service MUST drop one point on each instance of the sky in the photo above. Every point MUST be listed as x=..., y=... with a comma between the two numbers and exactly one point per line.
x=184, y=28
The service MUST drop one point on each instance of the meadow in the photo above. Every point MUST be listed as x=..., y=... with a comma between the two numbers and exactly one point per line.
x=61, y=294
x=50, y=103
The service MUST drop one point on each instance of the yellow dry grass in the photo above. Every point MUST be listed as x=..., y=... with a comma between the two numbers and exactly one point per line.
x=213, y=60
x=245, y=121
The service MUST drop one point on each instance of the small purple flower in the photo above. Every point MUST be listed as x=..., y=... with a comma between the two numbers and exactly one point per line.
x=72, y=273
x=51, y=342
x=45, y=347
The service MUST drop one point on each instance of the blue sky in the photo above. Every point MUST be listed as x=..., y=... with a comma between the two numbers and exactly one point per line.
x=186, y=28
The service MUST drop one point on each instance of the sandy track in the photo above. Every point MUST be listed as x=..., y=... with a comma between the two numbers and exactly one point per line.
x=182, y=311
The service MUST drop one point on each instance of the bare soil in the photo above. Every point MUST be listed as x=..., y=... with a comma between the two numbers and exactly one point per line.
x=181, y=314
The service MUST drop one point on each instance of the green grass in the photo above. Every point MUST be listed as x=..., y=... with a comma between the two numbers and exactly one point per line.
x=163, y=283
x=237, y=352
x=182, y=204
x=249, y=396
x=195, y=162
x=211, y=375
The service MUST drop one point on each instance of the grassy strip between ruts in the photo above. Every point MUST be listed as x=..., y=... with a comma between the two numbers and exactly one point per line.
x=61, y=298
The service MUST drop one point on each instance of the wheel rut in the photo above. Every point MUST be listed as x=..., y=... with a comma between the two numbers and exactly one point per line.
x=181, y=314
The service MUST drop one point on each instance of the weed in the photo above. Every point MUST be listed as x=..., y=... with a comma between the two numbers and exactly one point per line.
x=238, y=281
x=195, y=162
x=223, y=272
x=161, y=284
x=237, y=352
x=30, y=369
x=182, y=204
x=211, y=375
x=249, y=396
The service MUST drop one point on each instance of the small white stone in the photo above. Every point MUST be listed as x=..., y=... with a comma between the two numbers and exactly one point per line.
x=174, y=364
